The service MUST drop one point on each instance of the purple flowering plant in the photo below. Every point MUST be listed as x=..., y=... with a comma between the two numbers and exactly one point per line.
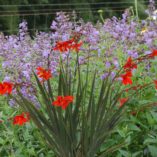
x=77, y=110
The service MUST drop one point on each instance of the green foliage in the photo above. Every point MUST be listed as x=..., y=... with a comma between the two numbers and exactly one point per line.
x=86, y=124
x=19, y=141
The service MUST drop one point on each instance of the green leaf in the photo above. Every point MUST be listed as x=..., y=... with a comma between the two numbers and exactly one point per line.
x=150, y=141
x=154, y=114
x=125, y=153
x=137, y=154
x=150, y=119
x=121, y=133
x=1, y=141
x=134, y=127
x=153, y=150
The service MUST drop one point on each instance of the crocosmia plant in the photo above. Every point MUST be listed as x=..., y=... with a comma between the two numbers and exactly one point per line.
x=74, y=89
x=78, y=110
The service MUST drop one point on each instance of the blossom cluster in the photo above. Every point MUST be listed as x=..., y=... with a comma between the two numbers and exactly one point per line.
x=21, y=119
x=67, y=45
x=130, y=65
x=125, y=37
x=43, y=73
x=63, y=101
x=5, y=88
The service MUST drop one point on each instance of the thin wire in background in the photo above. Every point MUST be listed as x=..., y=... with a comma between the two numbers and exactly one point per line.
x=69, y=4
x=47, y=14
x=63, y=9
x=63, y=4
x=52, y=11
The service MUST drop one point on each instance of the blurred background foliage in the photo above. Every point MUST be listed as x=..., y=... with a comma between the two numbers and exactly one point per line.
x=39, y=13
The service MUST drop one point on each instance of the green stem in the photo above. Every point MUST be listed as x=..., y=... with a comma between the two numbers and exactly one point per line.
x=136, y=9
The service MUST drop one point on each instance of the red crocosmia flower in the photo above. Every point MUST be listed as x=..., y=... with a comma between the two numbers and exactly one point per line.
x=126, y=78
x=58, y=101
x=21, y=119
x=67, y=100
x=130, y=64
x=123, y=101
x=6, y=88
x=153, y=54
x=43, y=73
x=155, y=82
x=76, y=46
x=65, y=46
x=63, y=101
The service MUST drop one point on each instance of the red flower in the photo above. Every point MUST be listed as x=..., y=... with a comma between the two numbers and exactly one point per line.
x=64, y=46
x=123, y=101
x=126, y=78
x=155, y=82
x=69, y=98
x=58, y=101
x=63, y=101
x=130, y=64
x=153, y=54
x=6, y=88
x=76, y=46
x=21, y=119
x=43, y=73
x=67, y=101
x=1, y=121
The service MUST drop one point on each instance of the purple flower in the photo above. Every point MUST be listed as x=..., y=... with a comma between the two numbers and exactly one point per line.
x=7, y=79
x=113, y=74
x=108, y=41
x=12, y=103
x=26, y=75
x=132, y=53
x=81, y=60
x=135, y=55
x=147, y=52
x=46, y=53
x=23, y=30
x=108, y=64
x=115, y=62
x=104, y=76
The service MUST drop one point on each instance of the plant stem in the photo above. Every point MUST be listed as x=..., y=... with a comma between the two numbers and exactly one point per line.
x=136, y=9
